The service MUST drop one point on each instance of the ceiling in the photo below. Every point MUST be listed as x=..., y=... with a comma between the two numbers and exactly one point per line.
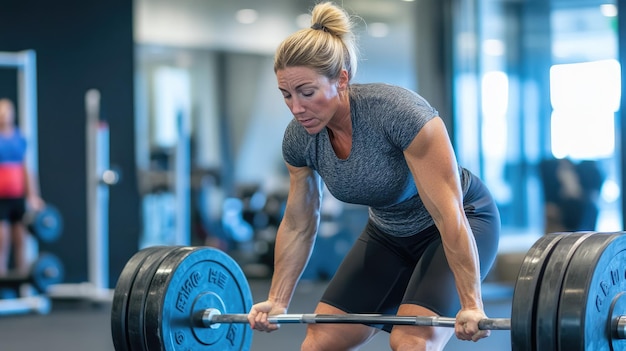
x=211, y=23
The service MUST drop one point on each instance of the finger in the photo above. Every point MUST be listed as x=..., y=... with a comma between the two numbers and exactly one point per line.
x=251, y=319
x=480, y=335
x=462, y=335
x=258, y=324
x=469, y=331
x=262, y=321
x=459, y=331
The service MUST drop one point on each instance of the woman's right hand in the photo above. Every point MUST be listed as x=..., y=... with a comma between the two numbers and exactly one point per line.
x=260, y=312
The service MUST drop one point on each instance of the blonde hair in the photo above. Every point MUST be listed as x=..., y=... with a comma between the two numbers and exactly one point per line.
x=328, y=46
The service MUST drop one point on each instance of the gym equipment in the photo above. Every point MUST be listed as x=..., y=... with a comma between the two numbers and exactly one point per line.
x=99, y=178
x=45, y=271
x=45, y=224
x=569, y=296
x=24, y=305
x=175, y=283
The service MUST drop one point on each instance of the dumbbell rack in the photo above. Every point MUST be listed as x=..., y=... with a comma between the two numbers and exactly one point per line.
x=24, y=305
x=28, y=290
x=36, y=303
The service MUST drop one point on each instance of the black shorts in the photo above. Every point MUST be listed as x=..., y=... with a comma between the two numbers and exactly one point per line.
x=382, y=271
x=12, y=210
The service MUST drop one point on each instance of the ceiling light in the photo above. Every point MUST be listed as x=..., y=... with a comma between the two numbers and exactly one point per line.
x=608, y=10
x=378, y=29
x=493, y=47
x=246, y=16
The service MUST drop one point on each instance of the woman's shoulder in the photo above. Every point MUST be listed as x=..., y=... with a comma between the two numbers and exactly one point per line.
x=393, y=95
x=13, y=134
x=295, y=134
x=380, y=89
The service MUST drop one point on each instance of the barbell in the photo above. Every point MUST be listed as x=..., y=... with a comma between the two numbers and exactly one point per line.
x=569, y=295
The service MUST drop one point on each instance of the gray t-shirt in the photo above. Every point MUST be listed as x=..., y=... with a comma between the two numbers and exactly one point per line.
x=385, y=120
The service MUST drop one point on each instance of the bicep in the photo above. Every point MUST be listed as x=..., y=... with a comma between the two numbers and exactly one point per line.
x=304, y=198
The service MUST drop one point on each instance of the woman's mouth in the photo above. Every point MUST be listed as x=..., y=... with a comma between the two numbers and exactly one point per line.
x=309, y=122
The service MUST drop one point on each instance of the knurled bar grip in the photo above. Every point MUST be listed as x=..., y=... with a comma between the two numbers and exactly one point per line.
x=210, y=318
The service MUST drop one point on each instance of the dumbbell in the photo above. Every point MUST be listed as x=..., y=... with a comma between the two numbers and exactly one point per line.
x=45, y=224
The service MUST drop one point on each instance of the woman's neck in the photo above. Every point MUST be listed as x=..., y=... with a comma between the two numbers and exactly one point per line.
x=7, y=130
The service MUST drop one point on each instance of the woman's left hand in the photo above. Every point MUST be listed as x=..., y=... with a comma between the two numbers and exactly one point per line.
x=466, y=327
x=35, y=203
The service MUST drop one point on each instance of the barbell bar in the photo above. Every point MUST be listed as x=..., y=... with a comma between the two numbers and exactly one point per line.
x=213, y=318
x=188, y=298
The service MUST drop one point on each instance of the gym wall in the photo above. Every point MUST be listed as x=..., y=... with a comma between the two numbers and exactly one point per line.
x=79, y=45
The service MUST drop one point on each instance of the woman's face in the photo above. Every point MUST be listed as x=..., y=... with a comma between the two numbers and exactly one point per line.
x=7, y=114
x=313, y=99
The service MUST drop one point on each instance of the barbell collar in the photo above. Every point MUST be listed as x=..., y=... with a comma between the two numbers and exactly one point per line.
x=621, y=327
x=211, y=317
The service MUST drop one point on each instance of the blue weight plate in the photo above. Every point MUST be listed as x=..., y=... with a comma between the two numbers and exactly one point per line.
x=121, y=294
x=138, y=295
x=550, y=289
x=186, y=284
x=47, y=270
x=46, y=224
x=523, y=311
x=592, y=292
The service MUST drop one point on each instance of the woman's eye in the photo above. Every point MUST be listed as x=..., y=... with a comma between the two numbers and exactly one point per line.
x=307, y=93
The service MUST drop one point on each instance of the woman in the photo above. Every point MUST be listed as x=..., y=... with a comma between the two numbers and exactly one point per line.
x=17, y=187
x=433, y=227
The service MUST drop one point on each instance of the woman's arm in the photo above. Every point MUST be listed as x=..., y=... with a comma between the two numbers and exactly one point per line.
x=294, y=243
x=432, y=161
x=296, y=233
x=31, y=189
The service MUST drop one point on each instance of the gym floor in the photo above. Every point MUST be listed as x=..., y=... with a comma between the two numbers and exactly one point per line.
x=81, y=326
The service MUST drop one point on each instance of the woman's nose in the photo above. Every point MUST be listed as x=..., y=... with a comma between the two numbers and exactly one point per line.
x=296, y=107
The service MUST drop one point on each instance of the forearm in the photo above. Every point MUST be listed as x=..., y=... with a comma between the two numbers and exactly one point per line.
x=462, y=255
x=292, y=253
x=30, y=182
x=296, y=233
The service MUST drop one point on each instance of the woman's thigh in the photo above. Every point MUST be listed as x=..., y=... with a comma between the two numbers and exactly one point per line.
x=335, y=337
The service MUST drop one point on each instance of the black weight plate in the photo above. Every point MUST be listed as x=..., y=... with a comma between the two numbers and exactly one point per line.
x=138, y=295
x=547, y=302
x=187, y=284
x=121, y=294
x=523, y=309
x=594, y=282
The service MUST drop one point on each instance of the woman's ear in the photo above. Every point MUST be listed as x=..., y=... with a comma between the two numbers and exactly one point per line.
x=343, y=81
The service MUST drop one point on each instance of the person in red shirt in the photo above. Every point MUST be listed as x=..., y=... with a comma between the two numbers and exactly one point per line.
x=17, y=190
